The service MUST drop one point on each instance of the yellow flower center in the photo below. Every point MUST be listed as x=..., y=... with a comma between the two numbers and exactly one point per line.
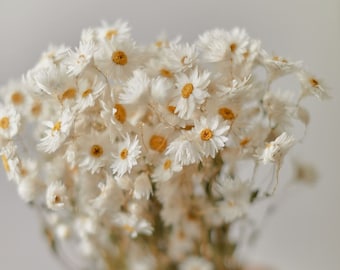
x=57, y=126
x=36, y=109
x=171, y=109
x=124, y=154
x=120, y=113
x=5, y=163
x=86, y=93
x=159, y=44
x=167, y=164
x=187, y=90
x=17, y=98
x=111, y=33
x=188, y=127
x=226, y=113
x=4, y=122
x=244, y=141
x=206, y=134
x=68, y=94
x=96, y=151
x=57, y=199
x=313, y=82
x=119, y=58
x=233, y=47
x=165, y=73
x=158, y=143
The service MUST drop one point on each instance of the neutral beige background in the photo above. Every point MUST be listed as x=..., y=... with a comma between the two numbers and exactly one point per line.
x=304, y=232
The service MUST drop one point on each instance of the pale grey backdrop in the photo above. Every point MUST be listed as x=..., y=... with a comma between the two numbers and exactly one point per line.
x=304, y=232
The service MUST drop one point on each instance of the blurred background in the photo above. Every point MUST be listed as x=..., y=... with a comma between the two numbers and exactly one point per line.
x=304, y=231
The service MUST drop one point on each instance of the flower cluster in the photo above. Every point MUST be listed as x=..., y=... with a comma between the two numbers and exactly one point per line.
x=144, y=156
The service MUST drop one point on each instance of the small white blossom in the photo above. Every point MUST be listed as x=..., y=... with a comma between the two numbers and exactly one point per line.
x=79, y=59
x=136, y=89
x=9, y=122
x=275, y=150
x=133, y=225
x=126, y=156
x=312, y=86
x=211, y=135
x=57, y=132
x=191, y=92
x=56, y=196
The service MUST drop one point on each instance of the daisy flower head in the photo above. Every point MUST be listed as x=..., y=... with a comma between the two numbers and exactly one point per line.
x=211, y=135
x=118, y=30
x=56, y=196
x=15, y=94
x=79, y=59
x=126, y=157
x=166, y=169
x=9, y=122
x=222, y=46
x=275, y=150
x=184, y=150
x=136, y=89
x=89, y=91
x=191, y=92
x=11, y=162
x=181, y=57
x=57, y=132
x=132, y=224
x=277, y=65
x=54, y=55
x=312, y=86
x=118, y=59
x=94, y=151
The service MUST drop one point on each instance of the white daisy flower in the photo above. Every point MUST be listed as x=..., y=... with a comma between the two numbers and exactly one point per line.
x=118, y=59
x=166, y=169
x=132, y=224
x=9, y=122
x=94, y=151
x=56, y=196
x=312, y=86
x=196, y=263
x=278, y=65
x=181, y=57
x=89, y=91
x=184, y=150
x=79, y=59
x=126, y=158
x=57, y=132
x=15, y=94
x=136, y=89
x=118, y=30
x=210, y=135
x=54, y=55
x=55, y=82
x=11, y=162
x=219, y=45
x=191, y=92
x=275, y=150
